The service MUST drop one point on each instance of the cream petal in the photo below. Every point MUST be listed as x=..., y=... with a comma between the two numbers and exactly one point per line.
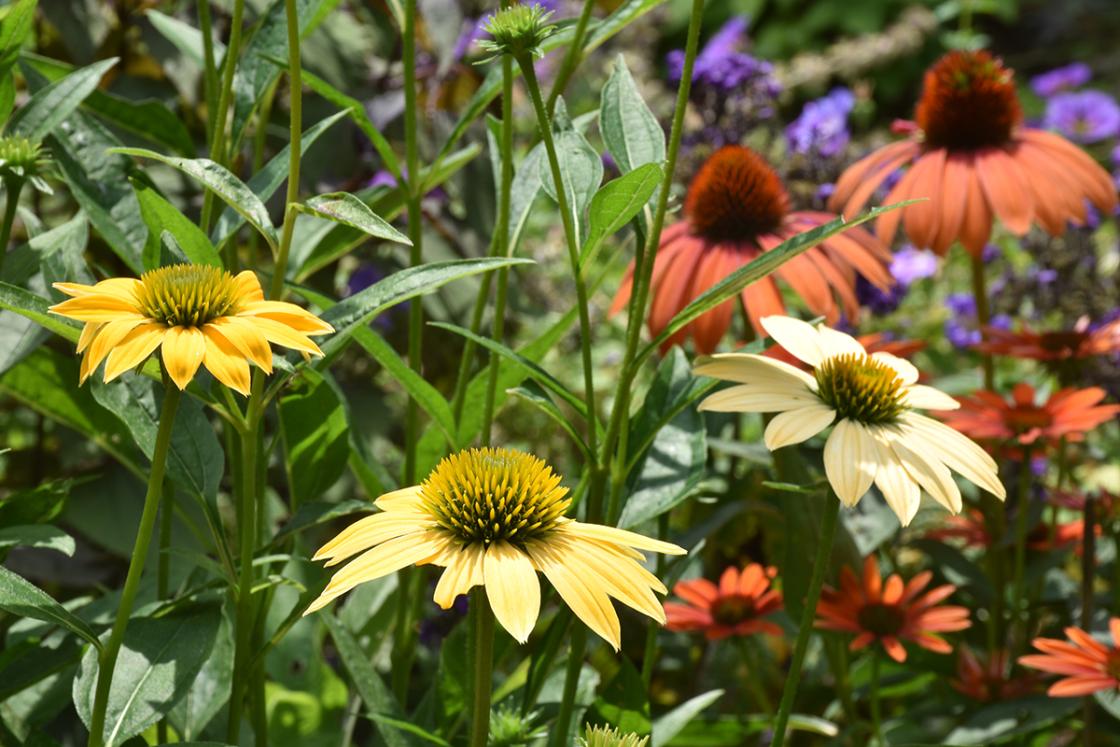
x=462, y=574
x=800, y=339
x=512, y=588
x=833, y=342
x=794, y=426
x=850, y=461
x=928, y=398
x=933, y=476
x=905, y=369
x=747, y=368
x=958, y=452
x=747, y=398
x=898, y=488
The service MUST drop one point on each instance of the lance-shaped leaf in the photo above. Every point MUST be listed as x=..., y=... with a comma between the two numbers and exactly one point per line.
x=24, y=599
x=345, y=208
x=632, y=134
x=616, y=203
x=51, y=105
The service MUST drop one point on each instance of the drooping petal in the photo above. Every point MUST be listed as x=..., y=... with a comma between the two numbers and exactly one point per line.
x=183, y=351
x=512, y=588
x=134, y=349
x=795, y=426
x=225, y=362
x=850, y=461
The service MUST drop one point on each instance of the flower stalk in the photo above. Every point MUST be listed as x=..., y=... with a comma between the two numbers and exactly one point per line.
x=219, y=141
x=12, y=188
x=483, y=618
x=805, y=627
x=107, y=661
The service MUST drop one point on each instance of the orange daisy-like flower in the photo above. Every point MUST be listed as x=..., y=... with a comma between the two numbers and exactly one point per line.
x=987, y=680
x=1059, y=345
x=734, y=607
x=890, y=612
x=970, y=154
x=972, y=530
x=736, y=210
x=1088, y=665
x=1068, y=413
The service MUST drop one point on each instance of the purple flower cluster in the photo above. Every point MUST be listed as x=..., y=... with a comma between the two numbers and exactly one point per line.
x=822, y=127
x=961, y=328
x=908, y=266
x=1083, y=116
x=1060, y=79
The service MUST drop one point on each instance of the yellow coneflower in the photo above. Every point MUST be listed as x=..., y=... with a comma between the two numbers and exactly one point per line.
x=199, y=315
x=494, y=518
x=879, y=436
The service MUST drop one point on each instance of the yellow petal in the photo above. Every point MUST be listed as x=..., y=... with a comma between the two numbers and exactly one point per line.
x=621, y=578
x=281, y=334
x=369, y=532
x=225, y=362
x=795, y=426
x=183, y=351
x=96, y=308
x=134, y=349
x=512, y=588
x=248, y=287
x=402, y=499
x=850, y=461
x=248, y=340
x=589, y=603
x=463, y=573
x=89, y=331
x=289, y=314
x=618, y=536
x=109, y=336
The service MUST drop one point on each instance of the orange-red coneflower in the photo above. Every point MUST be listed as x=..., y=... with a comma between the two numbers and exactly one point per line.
x=971, y=155
x=890, y=612
x=970, y=528
x=987, y=680
x=1088, y=665
x=735, y=607
x=1083, y=341
x=1068, y=413
x=736, y=210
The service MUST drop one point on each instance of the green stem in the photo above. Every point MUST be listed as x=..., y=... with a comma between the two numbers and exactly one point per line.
x=1023, y=508
x=983, y=317
x=225, y=98
x=805, y=627
x=163, y=572
x=571, y=57
x=295, y=146
x=559, y=734
x=650, y=655
x=876, y=715
x=643, y=267
x=13, y=187
x=210, y=77
x=483, y=666
x=107, y=661
x=753, y=682
x=246, y=524
x=410, y=587
x=567, y=218
x=501, y=243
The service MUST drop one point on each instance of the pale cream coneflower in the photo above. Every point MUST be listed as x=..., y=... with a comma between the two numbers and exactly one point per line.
x=494, y=517
x=879, y=436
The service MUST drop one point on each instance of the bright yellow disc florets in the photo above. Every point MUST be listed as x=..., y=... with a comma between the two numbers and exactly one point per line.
x=487, y=495
x=860, y=388
x=187, y=295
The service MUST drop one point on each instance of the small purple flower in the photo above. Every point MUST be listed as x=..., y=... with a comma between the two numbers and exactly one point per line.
x=722, y=66
x=1083, y=116
x=822, y=127
x=990, y=253
x=1061, y=79
x=473, y=29
x=1116, y=155
x=825, y=191
x=911, y=264
x=879, y=302
x=960, y=328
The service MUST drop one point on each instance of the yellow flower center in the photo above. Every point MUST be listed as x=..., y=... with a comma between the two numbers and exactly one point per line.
x=489, y=495
x=860, y=388
x=187, y=295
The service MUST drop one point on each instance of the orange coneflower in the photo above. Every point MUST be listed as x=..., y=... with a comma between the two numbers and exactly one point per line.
x=734, y=607
x=988, y=680
x=1060, y=345
x=890, y=612
x=1068, y=413
x=970, y=154
x=736, y=210
x=1089, y=666
x=972, y=530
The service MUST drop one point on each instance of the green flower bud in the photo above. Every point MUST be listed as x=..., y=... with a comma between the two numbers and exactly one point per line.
x=21, y=160
x=508, y=728
x=518, y=30
x=605, y=736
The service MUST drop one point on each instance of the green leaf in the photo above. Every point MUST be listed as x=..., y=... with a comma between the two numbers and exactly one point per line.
x=36, y=505
x=315, y=435
x=51, y=105
x=371, y=688
x=163, y=217
x=195, y=460
x=221, y=182
x=158, y=662
x=760, y=268
x=313, y=513
x=185, y=37
x=27, y=304
x=16, y=26
x=670, y=725
x=616, y=203
x=265, y=182
x=632, y=134
x=359, y=309
x=39, y=536
x=673, y=466
x=150, y=118
x=538, y=397
x=1000, y=722
x=581, y=168
x=624, y=703
x=209, y=691
x=524, y=190
x=345, y=208
x=20, y=597
x=1110, y=701
x=536, y=372
x=358, y=115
